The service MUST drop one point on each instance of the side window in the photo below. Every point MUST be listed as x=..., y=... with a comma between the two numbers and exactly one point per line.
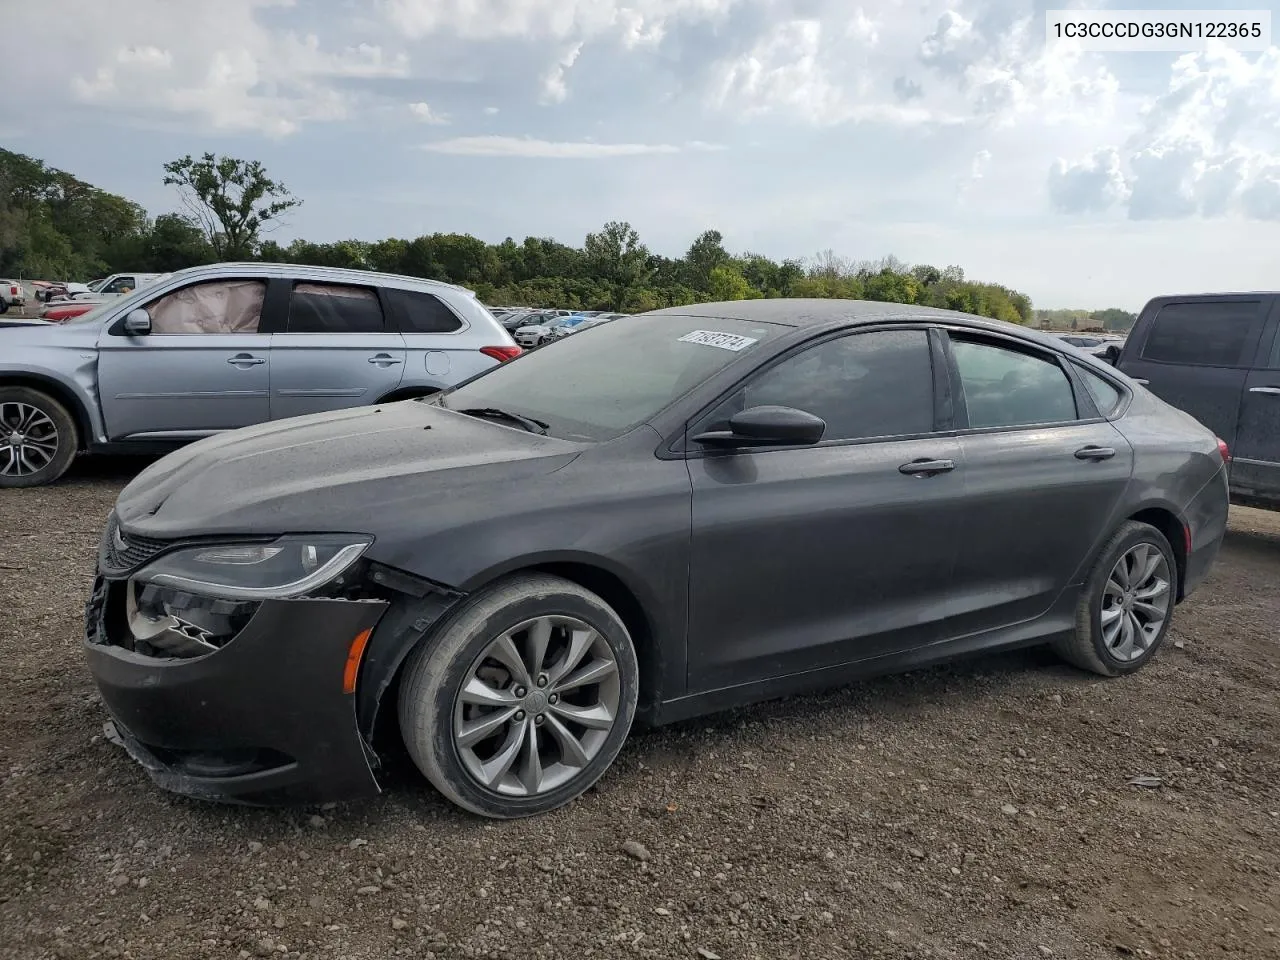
x=877, y=384
x=1106, y=396
x=120, y=285
x=1202, y=333
x=218, y=306
x=418, y=312
x=334, y=308
x=1006, y=388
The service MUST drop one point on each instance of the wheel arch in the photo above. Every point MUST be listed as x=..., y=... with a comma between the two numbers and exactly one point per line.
x=1166, y=520
x=63, y=394
x=376, y=702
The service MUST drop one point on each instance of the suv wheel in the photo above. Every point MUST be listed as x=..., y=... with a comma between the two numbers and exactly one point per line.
x=523, y=698
x=37, y=438
x=1126, y=607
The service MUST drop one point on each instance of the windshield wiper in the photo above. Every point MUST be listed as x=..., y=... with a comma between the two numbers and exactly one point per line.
x=493, y=413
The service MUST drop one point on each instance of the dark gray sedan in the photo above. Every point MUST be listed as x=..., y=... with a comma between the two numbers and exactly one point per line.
x=666, y=515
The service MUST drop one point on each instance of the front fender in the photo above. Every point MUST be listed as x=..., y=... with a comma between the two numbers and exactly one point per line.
x=68, y=374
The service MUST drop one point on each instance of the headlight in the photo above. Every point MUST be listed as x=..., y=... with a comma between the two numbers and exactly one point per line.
x=288, y=567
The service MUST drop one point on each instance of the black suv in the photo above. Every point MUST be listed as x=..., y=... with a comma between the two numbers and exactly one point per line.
x=1217, y=356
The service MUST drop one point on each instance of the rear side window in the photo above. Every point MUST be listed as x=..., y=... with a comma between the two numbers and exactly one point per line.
x=1202, y=333
x=334, y=308
x=1007, y=388
x=417, y=312
x=1106, y=396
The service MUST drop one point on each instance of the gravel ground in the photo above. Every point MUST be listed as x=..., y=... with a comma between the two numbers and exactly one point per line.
x=983, y=809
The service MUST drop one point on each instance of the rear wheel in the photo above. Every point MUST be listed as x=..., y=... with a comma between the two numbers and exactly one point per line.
x=1127, y=605
x=523, y=699
x=37, y=438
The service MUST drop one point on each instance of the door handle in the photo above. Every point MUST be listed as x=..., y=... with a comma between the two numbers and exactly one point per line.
x=1275, y=391
x=1095, y=453
x=384, y=359
x=245, y=360
x=926, y=467
x=1145, y=383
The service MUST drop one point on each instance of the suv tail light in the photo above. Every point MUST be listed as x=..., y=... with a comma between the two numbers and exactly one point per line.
x=1224, y=450
x=502, y=354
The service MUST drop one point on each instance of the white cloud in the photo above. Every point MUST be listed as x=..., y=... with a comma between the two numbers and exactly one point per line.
x=215, y=63
x=981, y=161
x=1089, y=186
x=1209, y=146
x=635, y=22
x=490, y=111
x=423, y=112
x=496, y=146
x=554, y=87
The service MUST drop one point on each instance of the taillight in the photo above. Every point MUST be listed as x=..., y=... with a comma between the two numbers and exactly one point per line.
x=1224, y=450
x=502, y=354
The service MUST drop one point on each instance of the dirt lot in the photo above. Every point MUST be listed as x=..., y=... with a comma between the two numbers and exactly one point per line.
x=979, y=810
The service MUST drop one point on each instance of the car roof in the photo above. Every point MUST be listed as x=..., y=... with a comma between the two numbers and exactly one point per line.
x=333, y=274
x=804, y=312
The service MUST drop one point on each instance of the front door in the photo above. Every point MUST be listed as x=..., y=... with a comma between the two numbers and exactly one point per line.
x=336, y=351
x=204, y=367
x=805, y=558
x=1255, y=458
x=1044, y=473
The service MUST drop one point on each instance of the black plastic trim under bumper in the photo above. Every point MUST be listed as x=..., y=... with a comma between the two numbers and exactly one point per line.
x=276, y=689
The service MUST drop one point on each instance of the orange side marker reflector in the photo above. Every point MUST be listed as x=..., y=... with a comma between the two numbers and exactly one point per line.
x=353, y=660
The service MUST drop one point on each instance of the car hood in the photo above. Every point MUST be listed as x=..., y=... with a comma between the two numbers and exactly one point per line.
x=366, y=470
x=30, y=331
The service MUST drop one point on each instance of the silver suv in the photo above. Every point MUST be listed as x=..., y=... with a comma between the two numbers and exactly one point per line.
x=226, y=346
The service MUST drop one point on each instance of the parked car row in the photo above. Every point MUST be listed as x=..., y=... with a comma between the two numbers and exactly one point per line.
x=217, y=348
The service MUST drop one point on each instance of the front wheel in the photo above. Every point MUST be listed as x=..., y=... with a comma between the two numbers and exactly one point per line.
x=37, y=438
x=523, y=698
x=1127, y=605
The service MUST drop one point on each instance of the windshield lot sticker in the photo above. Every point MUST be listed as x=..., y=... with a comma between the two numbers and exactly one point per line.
x=725, y=341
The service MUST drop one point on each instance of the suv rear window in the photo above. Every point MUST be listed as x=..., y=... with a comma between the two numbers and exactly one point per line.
x=417, y=312
x=1202, y=333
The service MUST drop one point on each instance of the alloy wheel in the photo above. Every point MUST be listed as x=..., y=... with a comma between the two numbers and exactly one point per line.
x=536, y=706
x=28, y=439
x=1135, y=602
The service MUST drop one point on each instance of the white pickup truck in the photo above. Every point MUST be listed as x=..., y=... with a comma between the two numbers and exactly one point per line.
x=113, y=286
x=12, y=294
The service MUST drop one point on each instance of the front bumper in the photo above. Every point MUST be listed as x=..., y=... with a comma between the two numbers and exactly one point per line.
x=264, y=720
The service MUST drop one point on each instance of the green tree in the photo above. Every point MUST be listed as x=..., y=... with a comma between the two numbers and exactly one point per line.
x=233, y=200
x=727, y=283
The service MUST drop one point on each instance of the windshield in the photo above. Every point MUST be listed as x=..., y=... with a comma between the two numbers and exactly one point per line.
x=611, y=377
x=94, y=314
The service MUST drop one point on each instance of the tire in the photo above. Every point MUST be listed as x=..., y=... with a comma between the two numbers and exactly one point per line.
x=434, y=720
x=4, y=305
x=16, y=406
x=1089, y=648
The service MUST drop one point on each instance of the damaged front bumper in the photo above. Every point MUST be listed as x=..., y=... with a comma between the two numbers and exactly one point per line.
x=263, y=720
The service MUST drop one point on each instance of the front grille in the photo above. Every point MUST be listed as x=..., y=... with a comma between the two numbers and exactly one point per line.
x=125, y=551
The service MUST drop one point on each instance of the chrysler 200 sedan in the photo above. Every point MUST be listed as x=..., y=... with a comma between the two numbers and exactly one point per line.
x=666, y=515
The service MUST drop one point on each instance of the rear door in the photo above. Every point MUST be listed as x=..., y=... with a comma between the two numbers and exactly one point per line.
x=337, y=350
x=1044, y=473
x=205, y=366
x=1196, y=354
x=1255, y=455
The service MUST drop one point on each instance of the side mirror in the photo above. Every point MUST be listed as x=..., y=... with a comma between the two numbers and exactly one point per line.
x=1111, y=354
x=137, y=323
x=767, y=427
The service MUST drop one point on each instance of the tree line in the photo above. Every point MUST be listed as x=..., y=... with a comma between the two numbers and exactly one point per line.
x=55, y=226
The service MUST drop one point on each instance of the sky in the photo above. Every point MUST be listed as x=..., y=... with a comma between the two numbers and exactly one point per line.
x=938, y=131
